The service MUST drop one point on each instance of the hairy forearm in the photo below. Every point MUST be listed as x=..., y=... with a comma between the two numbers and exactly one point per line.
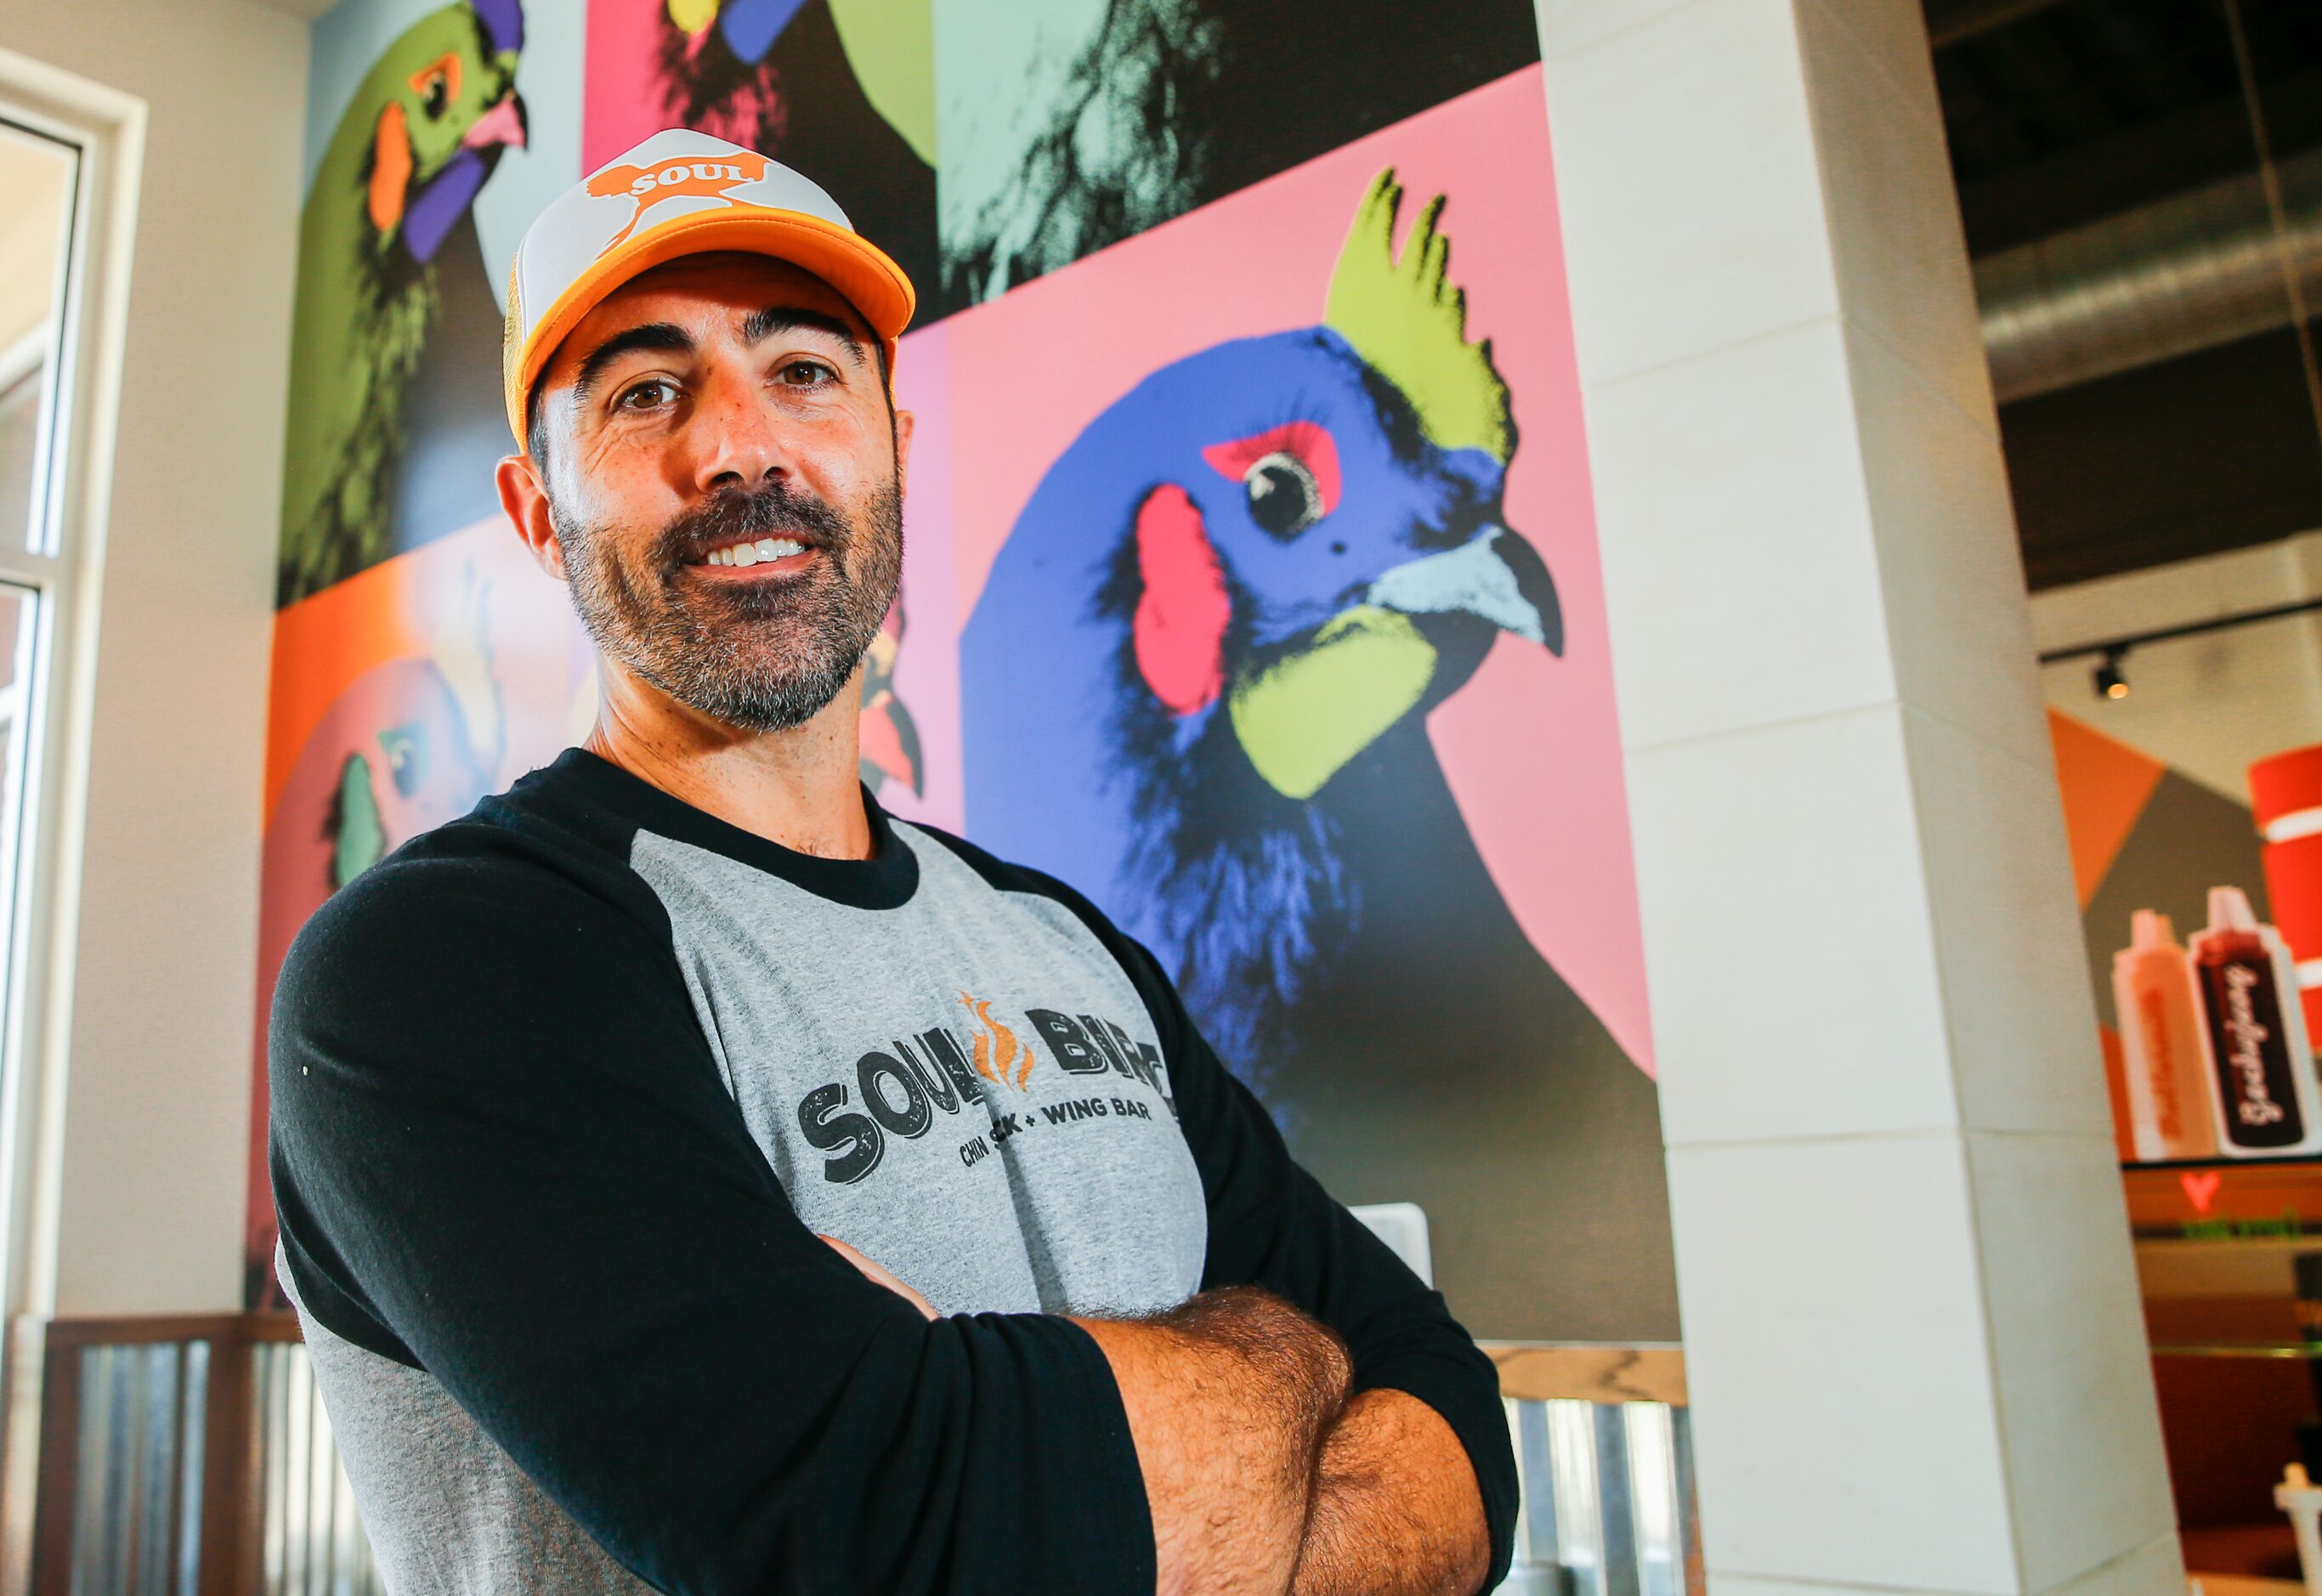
x=1229, y=1398
x=1396, y=1508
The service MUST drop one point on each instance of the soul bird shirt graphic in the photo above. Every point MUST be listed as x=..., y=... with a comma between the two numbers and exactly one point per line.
x=944, y=1072
x=908, y=1087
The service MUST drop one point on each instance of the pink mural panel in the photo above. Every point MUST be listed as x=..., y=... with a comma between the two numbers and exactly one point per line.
x=623, y=103
x=927, y=666
x=1531, y=746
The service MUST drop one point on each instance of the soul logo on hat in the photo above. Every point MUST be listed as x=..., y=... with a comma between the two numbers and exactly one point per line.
x=684, y=192
x=678, y=176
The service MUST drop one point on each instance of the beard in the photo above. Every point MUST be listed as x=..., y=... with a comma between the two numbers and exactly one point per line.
x=763, y=656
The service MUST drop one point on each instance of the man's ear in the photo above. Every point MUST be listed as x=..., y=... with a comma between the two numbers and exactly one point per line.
x=905, y=422
x=526, y=502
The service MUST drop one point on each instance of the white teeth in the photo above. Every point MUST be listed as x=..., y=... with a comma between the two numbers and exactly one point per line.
x=758, y=554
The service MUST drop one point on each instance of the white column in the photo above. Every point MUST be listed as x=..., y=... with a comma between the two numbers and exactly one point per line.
x=1911, y=1318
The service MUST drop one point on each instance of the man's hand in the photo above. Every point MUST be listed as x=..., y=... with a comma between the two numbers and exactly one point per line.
x=1228, y=1398
x=1396, y=1508
x=1261, y=1475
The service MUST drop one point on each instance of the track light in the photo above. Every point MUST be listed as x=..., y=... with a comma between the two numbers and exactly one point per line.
x=2112, y=683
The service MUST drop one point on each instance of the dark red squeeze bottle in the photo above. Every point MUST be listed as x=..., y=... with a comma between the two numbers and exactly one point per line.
x=2255, y=1033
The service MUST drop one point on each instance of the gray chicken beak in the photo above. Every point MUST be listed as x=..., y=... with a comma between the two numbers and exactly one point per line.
x=1495, y=576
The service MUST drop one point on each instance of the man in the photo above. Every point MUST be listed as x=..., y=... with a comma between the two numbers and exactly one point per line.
x=689, y=1175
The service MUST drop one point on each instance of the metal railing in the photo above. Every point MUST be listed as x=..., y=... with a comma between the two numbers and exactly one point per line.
x=311, y=1542
x=137, y=1521
x=192, y=1457
x=1607, y=1501
x=1604, y=1458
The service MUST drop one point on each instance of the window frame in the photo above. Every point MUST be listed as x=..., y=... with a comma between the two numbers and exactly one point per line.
x=72, y=504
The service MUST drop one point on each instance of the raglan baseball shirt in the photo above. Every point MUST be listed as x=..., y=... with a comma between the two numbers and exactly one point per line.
x=564, y=1094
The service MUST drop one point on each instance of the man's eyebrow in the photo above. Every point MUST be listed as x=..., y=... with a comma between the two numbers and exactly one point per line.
x=787, y=318
x=665, y=336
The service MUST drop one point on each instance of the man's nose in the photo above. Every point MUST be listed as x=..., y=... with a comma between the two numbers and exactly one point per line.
x=736, y=443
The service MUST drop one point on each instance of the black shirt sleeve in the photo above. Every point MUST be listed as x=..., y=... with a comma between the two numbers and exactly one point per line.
x=1272, y=1225
x=502, y=1154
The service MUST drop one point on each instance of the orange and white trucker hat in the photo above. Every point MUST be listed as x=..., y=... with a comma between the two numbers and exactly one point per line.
x=680, y=193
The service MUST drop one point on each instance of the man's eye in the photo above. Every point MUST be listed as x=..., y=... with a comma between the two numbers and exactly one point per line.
x=647, y=396
x=804, y=373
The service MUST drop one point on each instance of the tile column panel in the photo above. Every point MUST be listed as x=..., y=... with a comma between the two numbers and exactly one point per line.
x=1911, y=1318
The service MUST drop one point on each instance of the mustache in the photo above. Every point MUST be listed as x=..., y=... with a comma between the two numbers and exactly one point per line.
x=733, y=514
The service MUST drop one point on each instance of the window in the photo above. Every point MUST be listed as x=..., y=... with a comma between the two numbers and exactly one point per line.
x=39, y=179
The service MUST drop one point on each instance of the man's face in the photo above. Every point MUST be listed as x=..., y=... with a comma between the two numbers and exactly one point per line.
x=719, y=409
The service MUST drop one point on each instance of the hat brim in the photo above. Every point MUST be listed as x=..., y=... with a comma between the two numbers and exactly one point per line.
x=858, y=269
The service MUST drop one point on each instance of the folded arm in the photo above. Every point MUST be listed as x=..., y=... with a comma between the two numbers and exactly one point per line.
x=1229, y=1398
x=1396, y=1508
x=503, y=1156
x=1262, y=1476
x=506, y=1158
x=1417, y=1488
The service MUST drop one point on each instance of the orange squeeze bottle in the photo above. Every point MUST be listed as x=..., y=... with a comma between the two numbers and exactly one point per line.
x=2168, y=1087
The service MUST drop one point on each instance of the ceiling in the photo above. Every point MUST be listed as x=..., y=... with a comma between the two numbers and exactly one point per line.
x=2061, y=112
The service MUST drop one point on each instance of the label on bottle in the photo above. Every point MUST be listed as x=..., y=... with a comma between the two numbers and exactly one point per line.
x=2243, y=1011
x=2164, y=1071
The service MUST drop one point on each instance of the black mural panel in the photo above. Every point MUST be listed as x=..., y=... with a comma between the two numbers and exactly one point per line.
x=1136, y=111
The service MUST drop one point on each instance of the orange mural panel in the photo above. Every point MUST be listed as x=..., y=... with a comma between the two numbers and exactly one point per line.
x=321, y=645
x=2106, y=784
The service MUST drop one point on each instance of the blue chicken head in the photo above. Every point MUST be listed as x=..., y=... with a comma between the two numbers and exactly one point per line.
x=1227, y=607
x=1317, y=548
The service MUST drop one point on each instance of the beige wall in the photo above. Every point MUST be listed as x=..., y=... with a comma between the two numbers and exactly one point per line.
x=150, y=1181
x=2208, y=704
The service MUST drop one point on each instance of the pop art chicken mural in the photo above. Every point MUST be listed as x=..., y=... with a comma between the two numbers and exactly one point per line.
x=1280, y=647
x=1072, y=124
x=714, y=67
x=1248, y=574
x=412, y=151
x=891, y=737
x=1196, y=684
x=842, y=89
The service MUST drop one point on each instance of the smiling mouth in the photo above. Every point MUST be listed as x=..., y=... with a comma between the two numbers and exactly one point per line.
x=787, y=553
